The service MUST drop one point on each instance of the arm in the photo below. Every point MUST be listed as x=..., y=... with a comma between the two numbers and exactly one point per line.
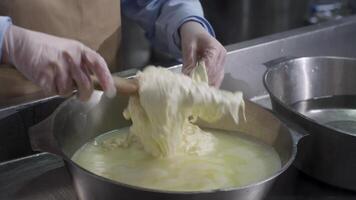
x=179, y=27
x=5, y=22
x=161, y=19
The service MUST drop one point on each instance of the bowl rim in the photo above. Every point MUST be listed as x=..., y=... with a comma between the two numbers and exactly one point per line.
x=284, y=167
x=283, y=64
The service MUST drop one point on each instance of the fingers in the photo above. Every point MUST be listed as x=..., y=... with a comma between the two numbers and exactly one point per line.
x=213, y=62
x=205, y=47
x=80, y=65
x=96, y=64
x=190, y=58
x=189, y=45
x=80, y=76
x=63, y=82
x=46, y=80
x=219, y=69
x=214, y=57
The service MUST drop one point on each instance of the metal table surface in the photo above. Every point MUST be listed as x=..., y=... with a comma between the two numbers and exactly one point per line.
x=43, y=176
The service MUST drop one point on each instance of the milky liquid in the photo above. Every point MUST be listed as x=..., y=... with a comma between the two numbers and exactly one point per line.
x=236, y=161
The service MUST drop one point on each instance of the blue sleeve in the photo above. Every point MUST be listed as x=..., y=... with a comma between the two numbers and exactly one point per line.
x=4, y=24
x=161, y=20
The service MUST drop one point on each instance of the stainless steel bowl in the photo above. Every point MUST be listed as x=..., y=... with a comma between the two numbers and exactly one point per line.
x=74, y=123
x=319, y=95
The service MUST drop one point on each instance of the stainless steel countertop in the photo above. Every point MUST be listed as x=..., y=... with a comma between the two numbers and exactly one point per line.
x=43, y=176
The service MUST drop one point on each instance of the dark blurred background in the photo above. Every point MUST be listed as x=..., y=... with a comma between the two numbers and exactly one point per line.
x=239, y=20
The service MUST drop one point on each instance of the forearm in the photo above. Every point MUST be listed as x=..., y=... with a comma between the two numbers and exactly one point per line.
x=5, y=22
x=174, y=14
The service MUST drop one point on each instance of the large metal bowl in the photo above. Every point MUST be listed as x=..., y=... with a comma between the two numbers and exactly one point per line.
x=319, y=95
x=75, y=123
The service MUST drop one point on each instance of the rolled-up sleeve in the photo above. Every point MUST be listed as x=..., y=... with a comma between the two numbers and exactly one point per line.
x=161, y=20
x=4, y=24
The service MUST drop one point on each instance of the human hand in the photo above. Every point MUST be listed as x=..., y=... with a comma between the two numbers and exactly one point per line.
x=197, y=44
x=57, y=65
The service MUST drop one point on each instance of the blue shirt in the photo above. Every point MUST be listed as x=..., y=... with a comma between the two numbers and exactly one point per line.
x=4, y=23
x=160, y=19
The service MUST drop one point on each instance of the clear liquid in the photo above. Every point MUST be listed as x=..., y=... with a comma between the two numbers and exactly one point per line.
x=337, y=112
x=236, y=161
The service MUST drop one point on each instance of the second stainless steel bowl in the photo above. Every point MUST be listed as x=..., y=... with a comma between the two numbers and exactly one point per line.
x=319, y=94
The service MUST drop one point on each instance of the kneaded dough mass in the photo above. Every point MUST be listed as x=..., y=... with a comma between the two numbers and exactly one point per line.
x=163, y=149
x=166, y=107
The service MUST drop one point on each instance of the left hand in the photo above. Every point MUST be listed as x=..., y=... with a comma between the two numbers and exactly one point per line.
x=198, y=44
x=57, y=65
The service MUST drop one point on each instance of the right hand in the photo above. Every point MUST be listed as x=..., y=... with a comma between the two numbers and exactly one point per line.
x=57, y=65
x=197, y=44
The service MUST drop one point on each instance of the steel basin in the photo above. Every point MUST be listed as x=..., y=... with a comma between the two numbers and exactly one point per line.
x=74, y=123
x=319, y=95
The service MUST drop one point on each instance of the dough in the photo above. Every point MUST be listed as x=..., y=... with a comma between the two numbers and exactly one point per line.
x=166, y=107
x=163, y=149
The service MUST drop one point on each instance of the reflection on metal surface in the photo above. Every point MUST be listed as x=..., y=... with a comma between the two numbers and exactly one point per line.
x=14, y=126
x=337, y=112
x=243, y=63
x=239, y=20
x=39, y=177
x=324, y=10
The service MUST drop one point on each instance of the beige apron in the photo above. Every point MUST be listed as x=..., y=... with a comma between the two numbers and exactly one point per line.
x=96, y=23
